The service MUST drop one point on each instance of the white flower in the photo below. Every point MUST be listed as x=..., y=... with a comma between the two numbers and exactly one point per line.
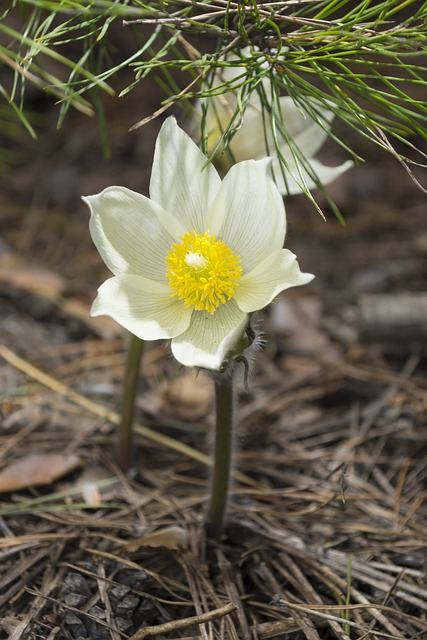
x=254, y=138
x=193, y=260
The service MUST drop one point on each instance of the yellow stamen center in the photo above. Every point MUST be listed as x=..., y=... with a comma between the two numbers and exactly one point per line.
x=202, y=271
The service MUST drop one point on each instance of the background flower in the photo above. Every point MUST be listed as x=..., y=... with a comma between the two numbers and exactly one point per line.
x=299, y=135
x=196, y=238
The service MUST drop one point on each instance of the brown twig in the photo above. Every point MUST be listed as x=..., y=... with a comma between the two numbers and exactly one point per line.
x=166, y=106
x=174, y=625
x=103, y=412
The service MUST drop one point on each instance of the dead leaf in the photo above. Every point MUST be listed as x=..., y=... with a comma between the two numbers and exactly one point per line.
x=9, y=624
x=91, y=494
x=171, y=538
x=88, y=485
x=188, y=397
x=29, y=276
x=300, y=319
x=43, y=283
x=103, y=326
x=36, y=470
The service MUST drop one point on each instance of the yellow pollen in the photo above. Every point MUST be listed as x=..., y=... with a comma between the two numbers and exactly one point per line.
x=202, y=271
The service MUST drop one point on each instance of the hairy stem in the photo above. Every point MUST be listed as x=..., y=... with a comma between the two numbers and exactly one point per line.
x=222, y=456
x=130, y=385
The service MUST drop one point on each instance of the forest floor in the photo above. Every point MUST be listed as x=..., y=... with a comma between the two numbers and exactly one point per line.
x=327, y=528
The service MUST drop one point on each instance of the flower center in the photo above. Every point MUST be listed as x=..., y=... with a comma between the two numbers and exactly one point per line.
x=202, y=271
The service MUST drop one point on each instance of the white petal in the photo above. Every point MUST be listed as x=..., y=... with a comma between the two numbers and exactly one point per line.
x=292, y=183
x=210, y=337
x=132, y=233
x=249, y=214
x=178, y=183
x=249, y=140
x=307, y=135
x=230, y=73
x=276, y=273
x=220, y=110
x=142, y=306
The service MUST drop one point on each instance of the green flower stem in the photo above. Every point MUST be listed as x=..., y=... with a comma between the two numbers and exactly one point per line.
x=222, y=456
x=130, y=385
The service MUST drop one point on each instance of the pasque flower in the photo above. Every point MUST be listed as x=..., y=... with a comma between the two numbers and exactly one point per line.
x=193, y=260
x=299, y=135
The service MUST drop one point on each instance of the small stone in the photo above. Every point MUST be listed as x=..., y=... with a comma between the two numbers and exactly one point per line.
x=75, y=599
x=118, y=593
x=144, y=615
x=123, y=625
x=76, y=583
x=97, y=631
x=98, y=612
x=135, y=579
x=74, y=625
x=127, y=605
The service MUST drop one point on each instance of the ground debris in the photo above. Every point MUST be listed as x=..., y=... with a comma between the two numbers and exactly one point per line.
x=326, y=534
x=393, y=317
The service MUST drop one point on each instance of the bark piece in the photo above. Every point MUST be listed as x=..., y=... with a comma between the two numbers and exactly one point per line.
x=393, y=317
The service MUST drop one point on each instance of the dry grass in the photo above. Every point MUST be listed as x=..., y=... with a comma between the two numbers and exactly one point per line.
x=327, y=541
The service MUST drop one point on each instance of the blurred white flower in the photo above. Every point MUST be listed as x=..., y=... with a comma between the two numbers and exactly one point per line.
x=254, y=139
x=193, y=260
